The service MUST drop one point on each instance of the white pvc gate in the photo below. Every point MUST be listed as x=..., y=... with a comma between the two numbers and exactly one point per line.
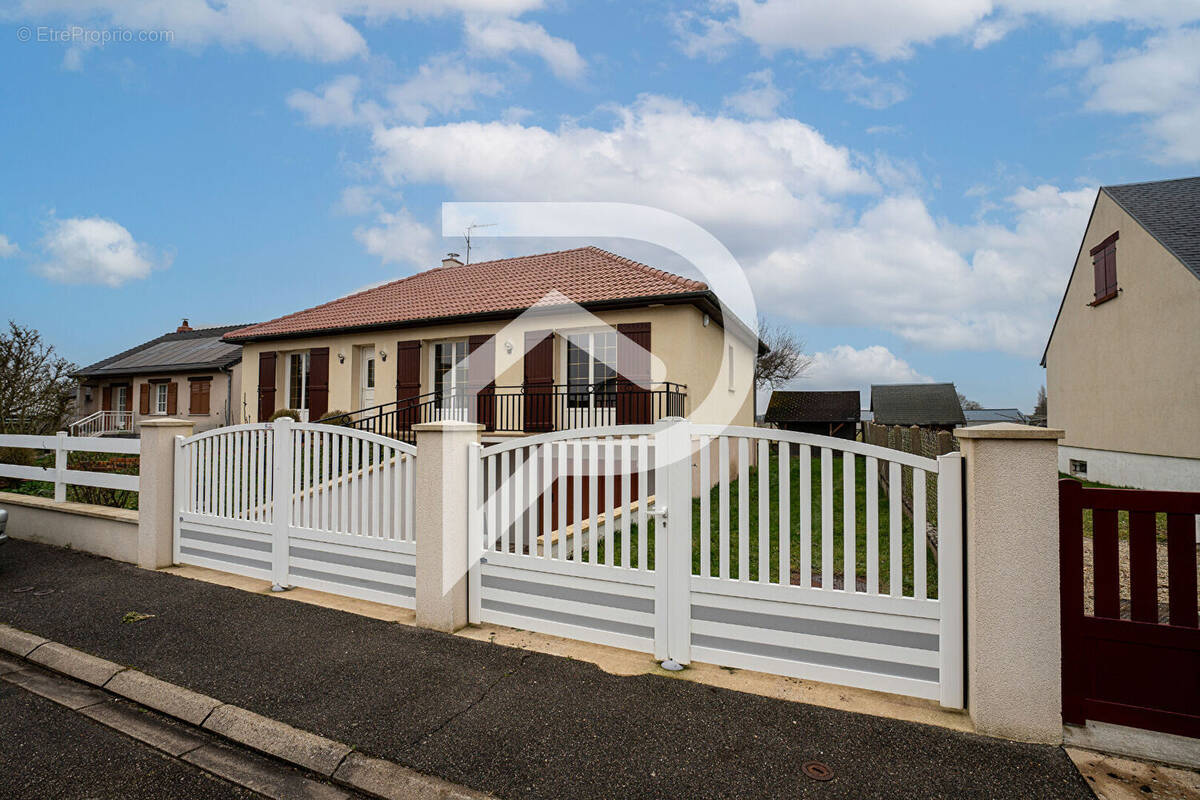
x=633, y=536
x=299, y=504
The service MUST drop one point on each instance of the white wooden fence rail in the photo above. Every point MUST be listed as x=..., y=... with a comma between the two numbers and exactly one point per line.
x=62, y=444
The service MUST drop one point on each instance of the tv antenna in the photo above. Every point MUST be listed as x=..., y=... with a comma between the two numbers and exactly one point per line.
x=470, y=228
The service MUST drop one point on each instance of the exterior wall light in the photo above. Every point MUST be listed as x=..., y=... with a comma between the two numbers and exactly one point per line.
x=341, y=357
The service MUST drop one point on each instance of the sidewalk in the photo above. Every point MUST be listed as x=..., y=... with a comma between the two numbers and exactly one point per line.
x=514, y=723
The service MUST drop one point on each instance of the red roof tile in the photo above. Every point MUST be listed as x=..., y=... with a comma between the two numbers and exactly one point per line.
x=585, y=275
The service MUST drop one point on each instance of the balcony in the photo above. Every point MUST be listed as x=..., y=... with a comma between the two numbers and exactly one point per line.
x=525, y=409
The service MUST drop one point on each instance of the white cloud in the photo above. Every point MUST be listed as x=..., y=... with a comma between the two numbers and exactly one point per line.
x=358, y=200
x=759, y=98
x=1160, y=80
x=866, y=90
x=7, y=247
x=96, y=250
x=500, y=37
x=888, y=29
x=398, y=238
x=334, y=105
x=315, y=29
x=844, y=367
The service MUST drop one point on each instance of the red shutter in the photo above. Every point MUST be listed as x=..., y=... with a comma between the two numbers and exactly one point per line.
x=106, y=399
x=172, y=398
x=539, y=381
x=1110, y=270
x=318, y=382
x=481, y=377
x=1104, y=267
x=1098, y=274
x=633, y=374
x=144, y=399
x=266, y=386
x=408, y=381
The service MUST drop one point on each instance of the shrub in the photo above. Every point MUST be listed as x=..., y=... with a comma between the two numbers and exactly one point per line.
x=332, y=418
x=286, y=412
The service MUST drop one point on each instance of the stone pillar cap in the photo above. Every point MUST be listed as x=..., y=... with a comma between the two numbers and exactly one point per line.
x=1008, y=430
x=168, y=422
x=447, y=425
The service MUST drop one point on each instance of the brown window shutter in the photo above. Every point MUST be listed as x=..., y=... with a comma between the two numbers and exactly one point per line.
x=144, y=399
x=408, y=380
x=198, y=401
x=266, y=386
x=633, y=374
x=1099, y=280
x=481, y=377
x=1110, y=270
x=106, y=399
x=539, y=381
x=172, y=398
x=318, y=382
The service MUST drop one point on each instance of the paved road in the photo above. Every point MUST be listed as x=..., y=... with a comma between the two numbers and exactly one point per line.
x=518, y=724
x=48, y=751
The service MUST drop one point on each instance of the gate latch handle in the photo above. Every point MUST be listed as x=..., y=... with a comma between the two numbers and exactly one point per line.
x=659, y=511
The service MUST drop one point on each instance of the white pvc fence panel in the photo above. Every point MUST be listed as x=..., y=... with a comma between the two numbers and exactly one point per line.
x=62, y=444
x=788, y=553
x=300, y=504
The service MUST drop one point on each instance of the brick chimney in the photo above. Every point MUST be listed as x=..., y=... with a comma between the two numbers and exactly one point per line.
x=184, y=327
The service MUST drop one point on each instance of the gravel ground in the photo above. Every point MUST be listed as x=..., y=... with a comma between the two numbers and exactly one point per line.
x=1089, y=594
x=511, y=722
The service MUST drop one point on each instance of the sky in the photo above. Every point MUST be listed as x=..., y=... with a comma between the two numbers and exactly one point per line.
x=904, y=184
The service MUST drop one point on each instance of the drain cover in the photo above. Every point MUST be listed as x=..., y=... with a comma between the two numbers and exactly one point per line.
x=23, y=589
x=817, y=771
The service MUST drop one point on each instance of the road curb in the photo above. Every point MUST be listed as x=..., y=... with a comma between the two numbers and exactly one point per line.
x=300, y=748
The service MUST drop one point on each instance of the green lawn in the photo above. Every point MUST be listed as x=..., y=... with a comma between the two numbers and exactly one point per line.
x=1160, y=520
x=753, y=547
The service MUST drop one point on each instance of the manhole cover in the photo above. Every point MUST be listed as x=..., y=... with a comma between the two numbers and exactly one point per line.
x=23, y=589
x=41, y=592
x=817, y=771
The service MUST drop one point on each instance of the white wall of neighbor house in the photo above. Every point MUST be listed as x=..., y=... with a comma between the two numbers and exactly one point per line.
x=223, y=387
x=1133, y=470
x=1124, y=376
x=684, y=350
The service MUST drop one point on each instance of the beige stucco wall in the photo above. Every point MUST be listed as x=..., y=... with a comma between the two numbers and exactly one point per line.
x=1125, y=375
x=684, y=350
x=224, y=386
x=110, y=532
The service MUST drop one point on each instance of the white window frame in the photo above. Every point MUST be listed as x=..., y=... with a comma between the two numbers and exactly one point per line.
x=287, y=379
x=160, y=399
x=122, y=399
x=564, y=361
x=455, y=401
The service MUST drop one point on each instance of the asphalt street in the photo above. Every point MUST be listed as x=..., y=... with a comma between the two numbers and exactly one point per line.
x=514, y=723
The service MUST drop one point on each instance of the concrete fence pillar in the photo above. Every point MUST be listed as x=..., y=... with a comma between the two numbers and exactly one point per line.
x=156, y=490
x=440, y=495
x=1014, y=655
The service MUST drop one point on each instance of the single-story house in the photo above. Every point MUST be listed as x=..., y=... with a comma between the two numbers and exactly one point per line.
x=1123, y=359
x=822, y=413
x=986, y=416
x=926, y=405
x=545, y=342
x=191, y=373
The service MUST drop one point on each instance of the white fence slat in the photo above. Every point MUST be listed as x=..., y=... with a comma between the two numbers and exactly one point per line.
x=101, y=480
x=705, y=508
x=593, y=477
x=563, y=484
x=517, y=485
x=895, y=530
x=785, y=514
x=805, y=499
x=764, y=512
x=872, y=500
x=577, y=501
x=919, y=554
x=849, y=524
x=743, y=509
x=610, y=476
x=826, y=518
x=547, y=527
x=643, y=458
x=723, y=543
x=531, y=488
x=950, y=579
x=493, y=512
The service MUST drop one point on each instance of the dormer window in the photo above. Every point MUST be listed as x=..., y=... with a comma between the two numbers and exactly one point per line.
x=1104, y=267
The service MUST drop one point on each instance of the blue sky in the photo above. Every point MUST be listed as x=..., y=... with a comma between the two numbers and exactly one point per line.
x=904, y=184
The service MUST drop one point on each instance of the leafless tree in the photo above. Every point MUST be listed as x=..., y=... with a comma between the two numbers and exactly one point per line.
x=1039, y=410
x=784, y=360
x=968, y=405
x=36, y=390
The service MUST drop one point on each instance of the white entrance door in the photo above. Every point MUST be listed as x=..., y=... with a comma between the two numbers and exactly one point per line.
x=366, y=380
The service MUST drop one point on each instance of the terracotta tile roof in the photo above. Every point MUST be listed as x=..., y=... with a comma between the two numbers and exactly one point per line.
x=585, y=275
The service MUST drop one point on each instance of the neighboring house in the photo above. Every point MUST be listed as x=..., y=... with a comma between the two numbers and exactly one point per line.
x=822, y=413
x=191, y=374
x=927, y=405
x=545, y=342
x=986, y=416
x=1123, y=359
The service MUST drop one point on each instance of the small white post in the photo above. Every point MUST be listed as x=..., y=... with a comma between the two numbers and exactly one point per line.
x=475, y=533
x=673, y=538
x=1014, y=663
x=60, y=467
x=183, y=480
x=157, y=507
x=443, y=521
x=284, y=493
x=950, y=578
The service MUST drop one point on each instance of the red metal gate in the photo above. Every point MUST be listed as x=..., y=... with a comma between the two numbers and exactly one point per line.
x=1130, y=659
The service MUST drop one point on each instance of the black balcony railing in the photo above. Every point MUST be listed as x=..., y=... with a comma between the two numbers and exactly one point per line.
x=524, y=409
